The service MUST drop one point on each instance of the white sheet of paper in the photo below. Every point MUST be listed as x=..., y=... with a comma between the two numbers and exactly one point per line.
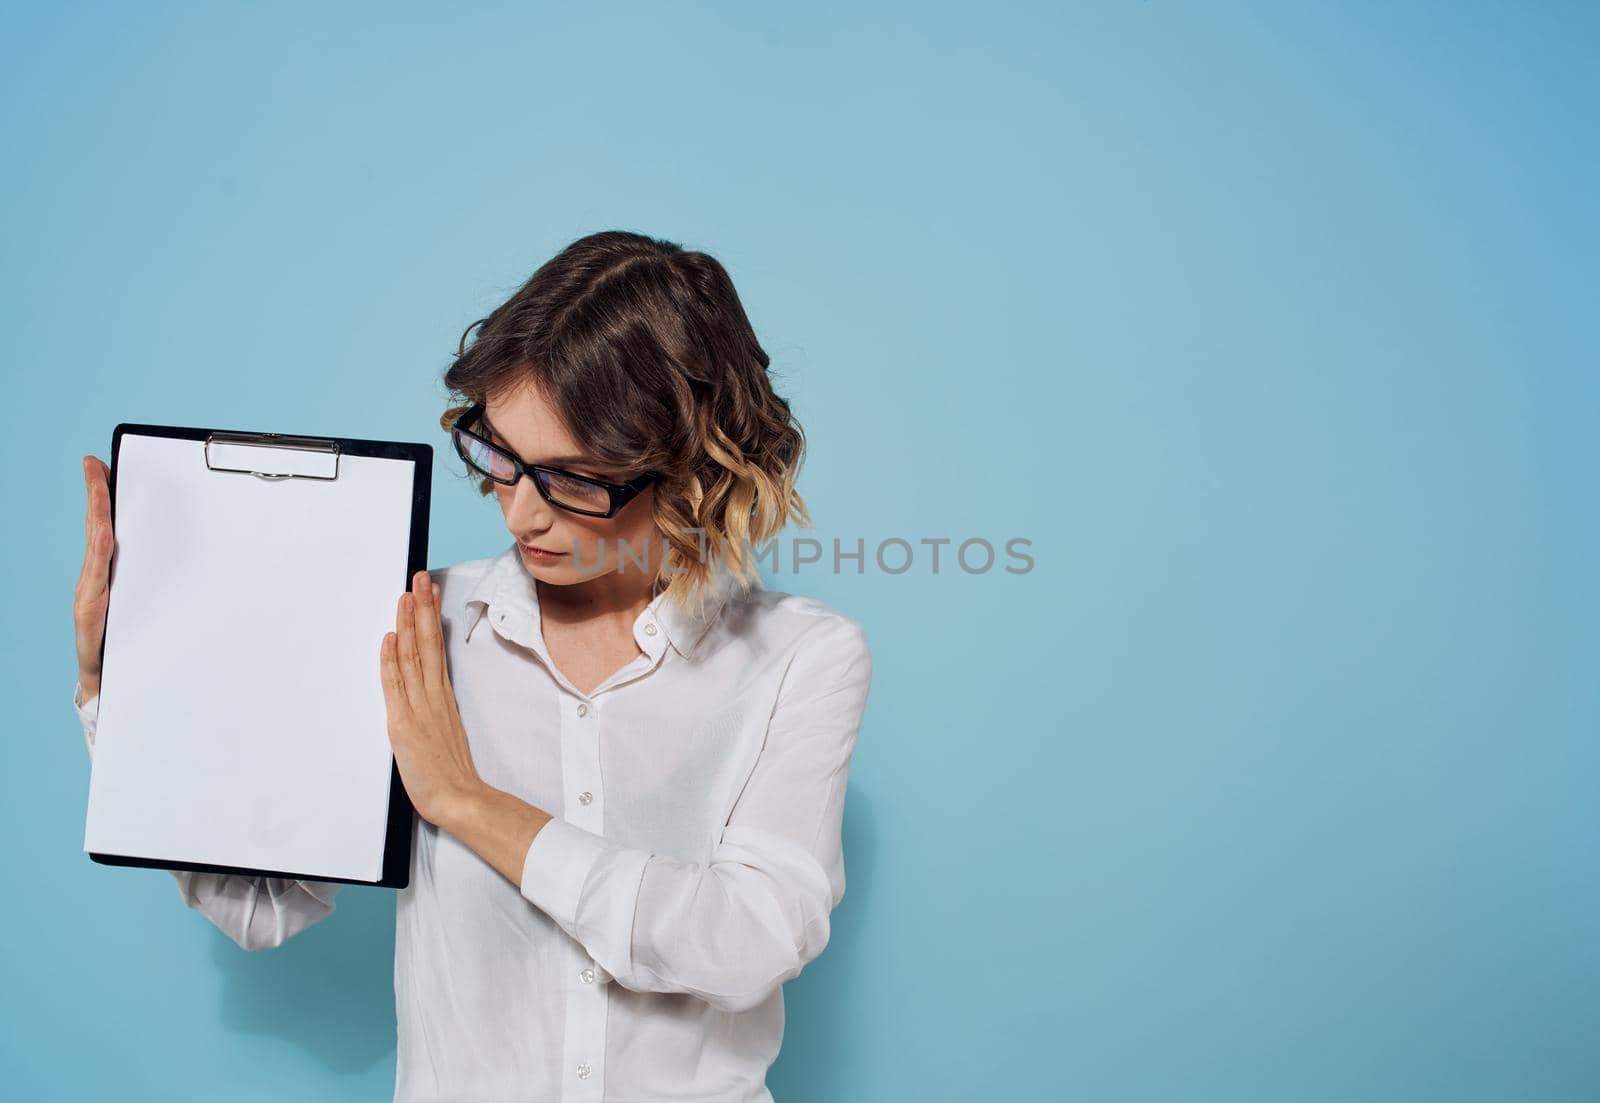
x=242, y=719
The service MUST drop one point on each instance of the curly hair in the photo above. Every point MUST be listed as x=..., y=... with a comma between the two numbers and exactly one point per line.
x=646, y=351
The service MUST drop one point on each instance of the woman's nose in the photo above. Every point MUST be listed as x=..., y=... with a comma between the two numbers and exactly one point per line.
x=528, y=509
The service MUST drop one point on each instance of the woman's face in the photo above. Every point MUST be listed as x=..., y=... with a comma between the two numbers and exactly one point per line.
x=525, y=423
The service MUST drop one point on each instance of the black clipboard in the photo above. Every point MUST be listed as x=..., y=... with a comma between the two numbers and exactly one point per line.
x=246, y=454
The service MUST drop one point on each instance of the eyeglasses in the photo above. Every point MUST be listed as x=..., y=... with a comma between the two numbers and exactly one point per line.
x=562, y=489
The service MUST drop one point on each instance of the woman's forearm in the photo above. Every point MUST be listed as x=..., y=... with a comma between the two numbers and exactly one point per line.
x=497, y=826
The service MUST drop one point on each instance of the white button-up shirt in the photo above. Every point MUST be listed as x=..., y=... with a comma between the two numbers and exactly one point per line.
x=690, y=870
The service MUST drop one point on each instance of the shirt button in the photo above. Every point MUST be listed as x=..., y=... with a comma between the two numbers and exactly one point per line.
x=587, y=975
x=583, y=1071
x=649, y=629
x=585, y=797
x=583, y=709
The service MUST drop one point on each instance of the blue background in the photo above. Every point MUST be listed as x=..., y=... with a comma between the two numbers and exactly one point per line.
x=1274, y=778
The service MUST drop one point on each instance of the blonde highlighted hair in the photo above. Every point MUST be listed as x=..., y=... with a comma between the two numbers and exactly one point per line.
x=646, y=351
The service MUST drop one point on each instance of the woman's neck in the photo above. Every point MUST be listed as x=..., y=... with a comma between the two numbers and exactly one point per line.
x=619, y=597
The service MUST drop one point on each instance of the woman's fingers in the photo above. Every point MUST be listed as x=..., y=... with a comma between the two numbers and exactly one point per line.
x=438, y=615
x=90, y=595
x=98, y=476
x=429, y=640
x=394, y=693
x=100, y=494
x=96, y=524
x=88, y=503
x=96, y=513
x=94, y=576
x=410, y=663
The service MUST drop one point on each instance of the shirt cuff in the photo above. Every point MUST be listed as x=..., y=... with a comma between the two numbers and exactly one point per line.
x=557, y=864
x=88, y=713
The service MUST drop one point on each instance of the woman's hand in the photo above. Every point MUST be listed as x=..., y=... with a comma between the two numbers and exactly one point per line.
x=430, y=745
x=90, y=596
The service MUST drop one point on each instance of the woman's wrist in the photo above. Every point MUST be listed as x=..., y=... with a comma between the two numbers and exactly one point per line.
x=496, y=825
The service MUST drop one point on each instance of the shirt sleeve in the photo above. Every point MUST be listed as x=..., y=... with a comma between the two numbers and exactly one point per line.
x=258, y=913
x=88, y=712
x=733, y=930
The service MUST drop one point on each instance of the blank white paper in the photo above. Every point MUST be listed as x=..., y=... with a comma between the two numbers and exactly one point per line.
x=242, y=719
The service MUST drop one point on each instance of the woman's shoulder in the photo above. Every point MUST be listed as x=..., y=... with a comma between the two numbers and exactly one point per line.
x=798, y=608
x=473, y=568
x=799, y=620
x=460, y=577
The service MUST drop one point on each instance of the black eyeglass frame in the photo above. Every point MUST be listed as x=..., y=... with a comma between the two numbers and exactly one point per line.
x=620, y=493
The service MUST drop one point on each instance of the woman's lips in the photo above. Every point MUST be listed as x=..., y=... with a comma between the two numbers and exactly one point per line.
x=538, y=553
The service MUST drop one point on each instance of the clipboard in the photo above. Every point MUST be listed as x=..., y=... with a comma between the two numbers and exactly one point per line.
x=242, y=726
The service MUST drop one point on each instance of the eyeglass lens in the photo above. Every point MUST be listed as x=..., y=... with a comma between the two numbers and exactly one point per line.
x=571, y=492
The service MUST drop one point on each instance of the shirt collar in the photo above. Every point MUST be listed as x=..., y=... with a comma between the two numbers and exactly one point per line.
x=506, y=594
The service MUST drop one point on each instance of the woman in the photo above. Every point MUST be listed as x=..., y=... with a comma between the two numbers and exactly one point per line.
x=627, y=757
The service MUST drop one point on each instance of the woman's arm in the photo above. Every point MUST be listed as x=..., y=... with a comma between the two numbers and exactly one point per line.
x=258, y=913
x=732, y=930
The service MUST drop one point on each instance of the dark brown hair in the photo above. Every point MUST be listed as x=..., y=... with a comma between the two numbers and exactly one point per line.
x=645, y=350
